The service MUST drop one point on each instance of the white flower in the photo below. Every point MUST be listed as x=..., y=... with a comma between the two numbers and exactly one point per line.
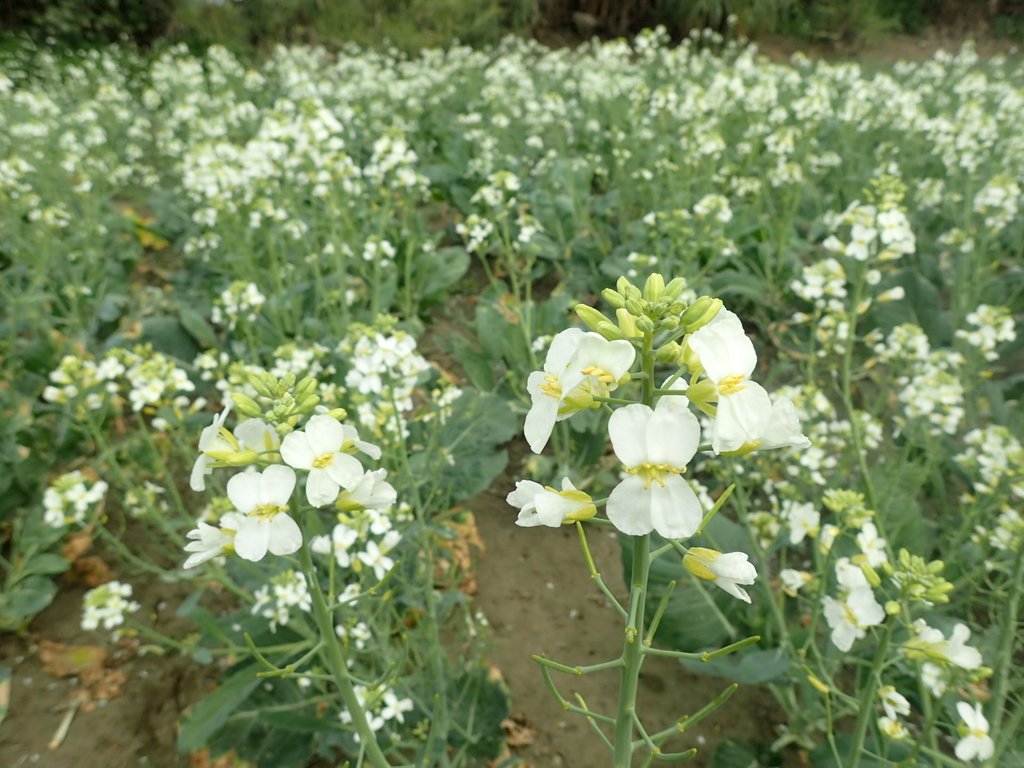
x=892, y=728
x=793, y=580
x=263, y=498
x=107, y=605
x=578, y=366
x=893, y=702
x=539, y=505
x=855, y=610
x=930, y=644
x=339, y=542
x=871, y=545
x=803, y=520
x=655, y=445
x=976, y=744
x=726, y=570
x=208, y=541
x=376, y=556
x=746, y=418
x=210, y=439
x=323, y=450
x=372, y=491
x=394, y=707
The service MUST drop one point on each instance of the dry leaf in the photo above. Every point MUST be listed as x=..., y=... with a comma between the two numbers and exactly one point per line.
x=518, y=733
x=91, y=571
x=466, y=545
x=71, y=660
x=77, y=545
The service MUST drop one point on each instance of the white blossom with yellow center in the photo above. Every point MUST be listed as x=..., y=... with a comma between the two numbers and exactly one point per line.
x=579, y=366
x=655, y=445
x=324, y=448
x=263, y=498
x=746, y=418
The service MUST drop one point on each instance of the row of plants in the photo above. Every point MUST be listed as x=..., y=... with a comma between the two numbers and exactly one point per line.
x=275, y=248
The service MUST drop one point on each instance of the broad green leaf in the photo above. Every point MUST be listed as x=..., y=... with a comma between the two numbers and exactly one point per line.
x=211, y=713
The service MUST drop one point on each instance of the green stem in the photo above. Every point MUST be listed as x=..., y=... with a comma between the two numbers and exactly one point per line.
x=335, y=661
x=867, y=697
x=632, y=654
x=1005, y=654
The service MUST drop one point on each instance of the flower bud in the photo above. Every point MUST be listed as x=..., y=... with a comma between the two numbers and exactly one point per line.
x=614, y=298
x=675, y=287
x=654, y=288
x=263, y=383
x=610, y=331
x=622, y=285
x=246, y=406
x=645, y=324
x=668, y=353
x=695, y=561
x=634, y=307
x=590, y=316
x=700, y=313
x=627, y=322
x=305, y=388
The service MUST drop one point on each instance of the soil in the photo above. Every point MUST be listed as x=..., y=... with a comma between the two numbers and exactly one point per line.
x=537, y=594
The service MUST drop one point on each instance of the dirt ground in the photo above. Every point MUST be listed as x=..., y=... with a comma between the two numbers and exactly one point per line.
x=538, y=596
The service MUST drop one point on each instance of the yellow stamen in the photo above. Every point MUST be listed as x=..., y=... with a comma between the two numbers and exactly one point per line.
x=600, y=374
x=267, y=510
x=552, y=387
x=323, y=461
x=654, y=473
x=730, y=385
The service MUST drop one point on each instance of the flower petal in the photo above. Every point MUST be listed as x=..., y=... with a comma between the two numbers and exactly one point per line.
x=673, y=434
x=321, y=489
x=276, y=485
x=524, y=494
x=326, y=434
x=628, y=431
x=244, y=491
x=740, y=417
x=723, y=348
x=675, y=511
x=285, y=536
x=540, y=421
x=615, y=357
x=252, y=539
x=345, y=470
x=562, y=350
x=629, y=504
x=297, y=451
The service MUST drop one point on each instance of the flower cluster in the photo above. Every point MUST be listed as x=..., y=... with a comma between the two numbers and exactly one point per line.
x=107, y=605
x=71, y=499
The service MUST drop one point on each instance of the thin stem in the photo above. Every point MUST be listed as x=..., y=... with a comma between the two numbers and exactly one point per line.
x=335, y=661
x=595, y=574
x=632, y=654
x=867, y=698
x=1005, y=654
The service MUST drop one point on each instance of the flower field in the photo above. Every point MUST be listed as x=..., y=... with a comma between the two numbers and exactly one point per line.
x=276, y=335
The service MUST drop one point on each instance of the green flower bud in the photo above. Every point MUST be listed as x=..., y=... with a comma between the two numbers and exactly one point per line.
x=700, y=313
x=892, y=608
x=246, y=406
x=610, y=331
x=627, y=322
x=263, y=383
x=654, y=287
x=305, y=388
x=590, y=316
x=644, y=324
x=675, y=287
x=622, y=285
x=634, y=307
x=614, y=298
x=668, y=353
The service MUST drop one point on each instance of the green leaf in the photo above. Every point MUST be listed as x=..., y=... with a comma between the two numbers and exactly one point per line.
x=734, y=753
x=194, y=322
x=750, y=668
x=26, y=600
x=212, y=712
x=46, y=564
x=440, y=269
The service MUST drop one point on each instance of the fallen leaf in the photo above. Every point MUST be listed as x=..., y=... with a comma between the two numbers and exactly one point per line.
x=71, y=660
x=91, y=571
x=77, y=545
x=465, y=545
x=518, y=733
